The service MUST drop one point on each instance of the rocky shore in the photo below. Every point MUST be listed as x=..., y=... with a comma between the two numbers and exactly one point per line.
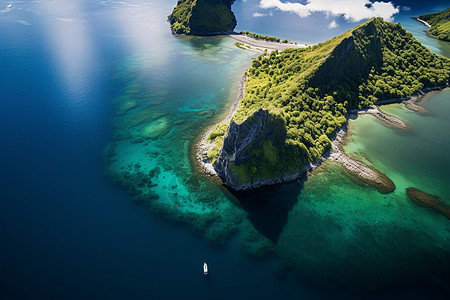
x=203, y=147
x=360, y=170
x=387, y=119
x=413, y=101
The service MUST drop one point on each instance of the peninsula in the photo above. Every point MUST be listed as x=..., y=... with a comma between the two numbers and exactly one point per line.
x=439, y=24
x=296, y=102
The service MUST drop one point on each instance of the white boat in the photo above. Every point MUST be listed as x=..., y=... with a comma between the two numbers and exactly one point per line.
x=205, y=269
x=9, y=5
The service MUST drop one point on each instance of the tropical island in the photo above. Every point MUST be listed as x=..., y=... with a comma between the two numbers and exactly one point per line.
x=297, y=101
x=294, y=102
x=439, y=24
x=202, y=17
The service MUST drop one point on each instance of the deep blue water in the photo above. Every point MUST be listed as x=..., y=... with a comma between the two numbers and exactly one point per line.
x=66, y=231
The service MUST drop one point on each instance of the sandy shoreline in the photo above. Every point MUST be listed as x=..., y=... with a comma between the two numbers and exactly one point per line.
x=261, y=44
x=423, y=22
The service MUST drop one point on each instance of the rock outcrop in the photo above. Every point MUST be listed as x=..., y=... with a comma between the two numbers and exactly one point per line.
x=428, y=201
x=244, y=144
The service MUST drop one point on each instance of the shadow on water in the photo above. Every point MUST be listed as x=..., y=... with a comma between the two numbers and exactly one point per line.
x=267, y=211
x=204, y=44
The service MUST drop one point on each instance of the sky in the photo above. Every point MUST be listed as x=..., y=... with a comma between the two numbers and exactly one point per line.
x=317, y=20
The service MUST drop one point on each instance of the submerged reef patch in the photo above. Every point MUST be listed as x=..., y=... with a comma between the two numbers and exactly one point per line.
x=325, y=229
x=157, y=128
x=342, y=235
x=428, y=201
x=150, y=157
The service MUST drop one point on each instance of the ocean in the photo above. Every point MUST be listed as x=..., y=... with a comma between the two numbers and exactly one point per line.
x=101, y=196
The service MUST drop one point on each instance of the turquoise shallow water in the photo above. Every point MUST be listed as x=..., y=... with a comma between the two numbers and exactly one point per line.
x=327, y=229
x=110, y=75
x=161, y=111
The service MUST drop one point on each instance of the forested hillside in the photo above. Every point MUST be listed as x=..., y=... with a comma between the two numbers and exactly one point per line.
x=202, y=17
x=440, y=24
x=311, y=90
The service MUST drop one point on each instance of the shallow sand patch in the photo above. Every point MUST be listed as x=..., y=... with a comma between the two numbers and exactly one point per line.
x=157, y=128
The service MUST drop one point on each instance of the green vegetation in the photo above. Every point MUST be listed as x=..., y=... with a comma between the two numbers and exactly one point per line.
x=262, y=37
x=311, y=90
x=202, y=17
x=240, y=46
x=216, y=137
x=440, y=24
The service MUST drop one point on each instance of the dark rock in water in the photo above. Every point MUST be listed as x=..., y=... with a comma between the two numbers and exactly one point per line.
x=179, y=122
x=137, y=140
x=242, y=139
x=153, y=154
x=154, y=172
x=428, y=201
x=207, y=113
x=135, y=181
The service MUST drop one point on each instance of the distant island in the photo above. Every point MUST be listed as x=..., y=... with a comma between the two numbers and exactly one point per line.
x=297, y=101
x=439, y=24
x=202, y=17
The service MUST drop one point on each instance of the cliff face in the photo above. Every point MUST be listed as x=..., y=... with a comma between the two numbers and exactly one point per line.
x=248, y=147
x=202, y=17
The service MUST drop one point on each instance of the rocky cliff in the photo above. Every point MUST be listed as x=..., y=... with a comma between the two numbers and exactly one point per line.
x=250, y=150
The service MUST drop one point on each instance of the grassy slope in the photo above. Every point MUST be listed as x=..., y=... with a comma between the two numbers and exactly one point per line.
x=440, y=24
x=202, y=17
x=311, y=89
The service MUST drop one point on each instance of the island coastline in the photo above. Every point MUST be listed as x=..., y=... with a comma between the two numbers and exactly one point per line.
x=438, y=24
x=356, y=168
x=203, y=147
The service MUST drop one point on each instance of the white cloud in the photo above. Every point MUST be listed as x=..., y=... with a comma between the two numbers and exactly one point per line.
x=332, y=25
x=66, y=20
x=23, y=22
x=257, y=15
x=351, y=10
